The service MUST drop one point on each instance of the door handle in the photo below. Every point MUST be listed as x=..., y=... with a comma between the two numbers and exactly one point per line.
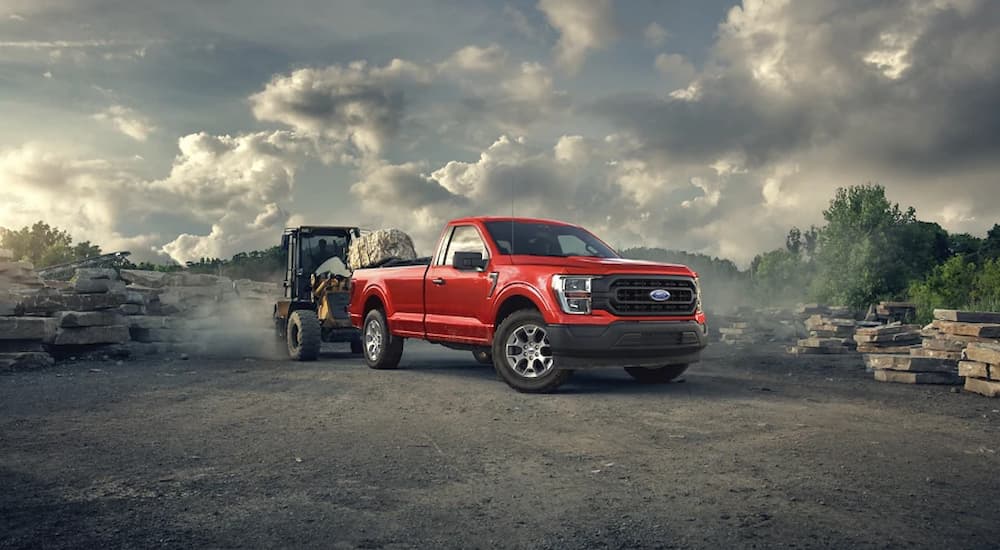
x=439, y=281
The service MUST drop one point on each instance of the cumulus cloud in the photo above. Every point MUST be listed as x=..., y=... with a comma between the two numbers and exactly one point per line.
x=235, y=184
x=357, y=108
x=583, y=25
x=126, y=121
x=811, y=95
x=476, y=59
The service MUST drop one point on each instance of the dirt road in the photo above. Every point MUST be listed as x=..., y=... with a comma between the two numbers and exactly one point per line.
x=753, y=449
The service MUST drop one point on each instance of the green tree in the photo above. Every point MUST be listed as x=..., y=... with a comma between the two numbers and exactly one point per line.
x=780, y=277
x=990, y=249
x=948, y=285
x=871, y=249
x=40, y=243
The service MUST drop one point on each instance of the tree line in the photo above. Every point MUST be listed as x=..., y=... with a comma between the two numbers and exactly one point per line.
x=869, y=249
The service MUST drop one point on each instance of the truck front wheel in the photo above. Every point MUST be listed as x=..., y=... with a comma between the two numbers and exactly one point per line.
x=658, y=375
x=522, y=355
x=382, y=350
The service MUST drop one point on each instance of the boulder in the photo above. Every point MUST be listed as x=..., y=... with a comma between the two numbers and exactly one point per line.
x=378, y=247
x=132, y=309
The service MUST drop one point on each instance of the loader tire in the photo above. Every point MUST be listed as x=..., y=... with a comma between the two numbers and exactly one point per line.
x=303, y=335
x=382, y=349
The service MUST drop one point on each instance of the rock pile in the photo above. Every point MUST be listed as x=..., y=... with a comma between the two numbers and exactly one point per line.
x=891, y=338
x=22, y=339
x=747, y=326
x=105, y=313
x=830, y=331
x=892, y=312
x=943, y=346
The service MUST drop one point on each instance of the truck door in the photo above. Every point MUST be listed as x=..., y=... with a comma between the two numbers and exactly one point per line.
x=456, y=301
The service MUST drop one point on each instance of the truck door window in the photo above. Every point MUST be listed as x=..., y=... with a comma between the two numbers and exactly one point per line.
x=465, y=238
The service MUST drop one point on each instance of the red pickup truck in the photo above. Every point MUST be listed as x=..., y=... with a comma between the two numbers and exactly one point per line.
x=537, y=299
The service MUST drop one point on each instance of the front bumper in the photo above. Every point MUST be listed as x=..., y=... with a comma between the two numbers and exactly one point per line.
x=627, y=344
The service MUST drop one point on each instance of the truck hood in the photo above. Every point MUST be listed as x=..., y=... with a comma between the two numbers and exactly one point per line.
x=600, y=266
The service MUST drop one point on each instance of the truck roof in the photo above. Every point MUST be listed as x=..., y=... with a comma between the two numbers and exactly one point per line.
x=484, y=219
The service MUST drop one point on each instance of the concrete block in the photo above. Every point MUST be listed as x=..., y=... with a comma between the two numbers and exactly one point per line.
x=71, y=319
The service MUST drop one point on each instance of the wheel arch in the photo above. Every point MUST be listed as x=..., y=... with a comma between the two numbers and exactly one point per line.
x=516, y=297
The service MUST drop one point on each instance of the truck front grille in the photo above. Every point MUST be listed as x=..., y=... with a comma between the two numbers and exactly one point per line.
x=630, y=295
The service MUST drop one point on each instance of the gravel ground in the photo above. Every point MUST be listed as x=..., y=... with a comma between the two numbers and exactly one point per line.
x=752, y=449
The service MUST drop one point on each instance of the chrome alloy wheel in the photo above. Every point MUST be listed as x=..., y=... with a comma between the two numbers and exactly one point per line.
x=373, y=339
x=528, y=351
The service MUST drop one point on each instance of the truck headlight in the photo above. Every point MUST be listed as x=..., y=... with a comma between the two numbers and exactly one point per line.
x=573, y=292
x=697, y=294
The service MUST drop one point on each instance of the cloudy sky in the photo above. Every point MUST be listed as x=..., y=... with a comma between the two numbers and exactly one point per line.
x=198, y=128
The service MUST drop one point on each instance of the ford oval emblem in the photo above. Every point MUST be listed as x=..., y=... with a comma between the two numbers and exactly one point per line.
x=659, y=295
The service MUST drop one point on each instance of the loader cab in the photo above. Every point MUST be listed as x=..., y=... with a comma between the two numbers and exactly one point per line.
x=314, y=308
x=310, y=248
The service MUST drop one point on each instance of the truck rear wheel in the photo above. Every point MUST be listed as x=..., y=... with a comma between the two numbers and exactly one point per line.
x=522, y=355
x=357, y=348
x=658, y=375
x=382, y=350
x=303, y=335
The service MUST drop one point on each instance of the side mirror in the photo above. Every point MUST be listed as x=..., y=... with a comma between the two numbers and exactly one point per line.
x=469, y=261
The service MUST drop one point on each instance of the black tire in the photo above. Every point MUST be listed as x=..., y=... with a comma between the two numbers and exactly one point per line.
x=521, y=323
x=357, y=348
x=483, y=356
x=381, y=349
x=303, y=336
x=658, y=375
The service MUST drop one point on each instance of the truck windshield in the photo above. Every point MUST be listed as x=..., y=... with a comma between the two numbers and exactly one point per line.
x=543, y=239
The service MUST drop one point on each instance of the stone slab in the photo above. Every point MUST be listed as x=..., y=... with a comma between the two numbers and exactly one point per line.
x=985, y=353
x=95, y=273
x=132, y=309
x=884, y=348
x=115, y=334
x=73, y=319
x=899, y=377
x=944, y=344
x=967, y=316
x=150, y=321
x=98, y=286
x=973, y=369
x=27, y=328
x=980, y=330
x=804, y=350
x=908, y=363
x=989, y=388
x=50, y=302
x=935, y=354
x=887, y=329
